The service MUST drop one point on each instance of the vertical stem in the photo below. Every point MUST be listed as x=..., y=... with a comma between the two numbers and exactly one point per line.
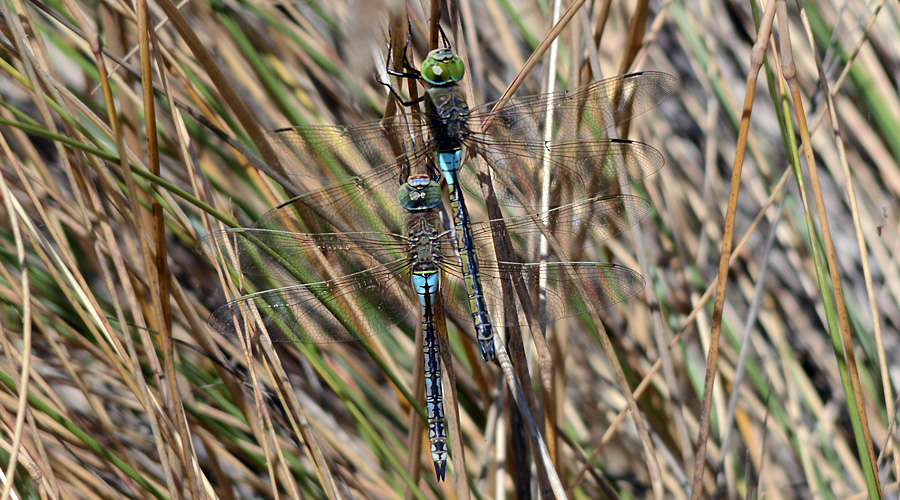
x=546, y=360
x=756, y=59
x=841, y=330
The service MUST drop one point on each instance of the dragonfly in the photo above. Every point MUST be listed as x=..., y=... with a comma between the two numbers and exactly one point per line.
x=346, y=285
x=517, y=143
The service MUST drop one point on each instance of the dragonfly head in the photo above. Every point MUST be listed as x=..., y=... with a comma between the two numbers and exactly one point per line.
x=419, y=192
x=443, y=67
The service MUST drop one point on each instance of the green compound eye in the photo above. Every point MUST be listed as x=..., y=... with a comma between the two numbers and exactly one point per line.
x=442, y=67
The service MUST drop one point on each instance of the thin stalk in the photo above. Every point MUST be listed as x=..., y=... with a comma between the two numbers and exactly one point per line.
x=545, y=359
x=756, y=59
x=835, y=307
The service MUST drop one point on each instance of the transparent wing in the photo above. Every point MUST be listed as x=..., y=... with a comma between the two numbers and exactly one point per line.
x=577, y=169
x=338, y=152
x=580, y=161
x=598, y=218
x=362, y=203
x=347, y=308
x=301, y=257
x=573, y=288
x=581, y=113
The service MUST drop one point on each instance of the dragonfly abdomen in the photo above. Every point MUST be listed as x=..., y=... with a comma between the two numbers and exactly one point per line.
x=426, y=284
x=468, y=261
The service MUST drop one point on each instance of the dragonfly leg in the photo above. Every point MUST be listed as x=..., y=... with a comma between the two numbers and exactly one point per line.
x=411, y=72
x=406, y=64
x=394, y=92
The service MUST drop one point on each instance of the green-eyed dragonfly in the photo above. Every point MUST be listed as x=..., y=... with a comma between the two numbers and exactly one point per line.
x=357, y=283
x=517, y=144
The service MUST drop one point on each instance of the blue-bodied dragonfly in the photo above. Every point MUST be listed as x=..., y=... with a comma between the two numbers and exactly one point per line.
x=516, y=144
x=355, y=284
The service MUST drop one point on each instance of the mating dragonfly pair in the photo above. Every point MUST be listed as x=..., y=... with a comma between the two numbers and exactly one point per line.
x=376, y=235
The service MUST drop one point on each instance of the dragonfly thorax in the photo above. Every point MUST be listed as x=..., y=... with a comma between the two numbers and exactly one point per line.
x=423, y=239
x=449, y=115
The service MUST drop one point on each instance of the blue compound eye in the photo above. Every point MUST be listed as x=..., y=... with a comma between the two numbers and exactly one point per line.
x=419, y=192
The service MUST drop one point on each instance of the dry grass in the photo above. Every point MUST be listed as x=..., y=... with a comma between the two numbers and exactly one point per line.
x=115, y=387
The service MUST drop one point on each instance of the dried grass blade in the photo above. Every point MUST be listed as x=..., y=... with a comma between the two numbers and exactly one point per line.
x=756, y=60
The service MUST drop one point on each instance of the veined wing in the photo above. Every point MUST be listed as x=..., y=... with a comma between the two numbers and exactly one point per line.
x=572, y=288
x=301, y=257
x=598, y=218
x=578, y=169
x=347, y=308
x=362, y=203
x=581, y=113
x=337, y=152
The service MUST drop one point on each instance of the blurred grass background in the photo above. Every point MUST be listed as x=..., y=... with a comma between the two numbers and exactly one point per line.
x=119, y=149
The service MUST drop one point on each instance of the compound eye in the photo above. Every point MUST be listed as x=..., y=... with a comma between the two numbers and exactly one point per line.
x=418, y=193
x=456, y=69
x=433, y=72
x=442, y=66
